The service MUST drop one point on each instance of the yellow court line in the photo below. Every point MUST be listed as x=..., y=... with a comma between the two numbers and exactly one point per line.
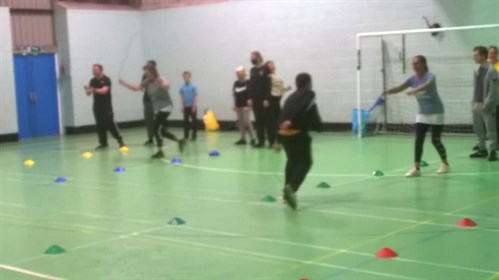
x=494, y=276
x=389, y=234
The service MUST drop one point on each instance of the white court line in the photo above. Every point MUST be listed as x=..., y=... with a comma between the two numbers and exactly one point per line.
x=28, y=272
x=324, y=248
x=259, y=204
x=262, y=239
x=274, y=257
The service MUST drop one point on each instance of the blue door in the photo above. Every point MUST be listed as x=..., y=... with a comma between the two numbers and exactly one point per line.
x=36, y=95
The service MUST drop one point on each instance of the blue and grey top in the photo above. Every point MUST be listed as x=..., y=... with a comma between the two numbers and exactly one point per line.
x=429, y=101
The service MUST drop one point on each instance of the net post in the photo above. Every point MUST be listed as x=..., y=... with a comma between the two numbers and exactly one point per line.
x=359, y=67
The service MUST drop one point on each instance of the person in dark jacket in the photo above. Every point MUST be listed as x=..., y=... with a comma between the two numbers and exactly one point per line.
x=259, y=93
x=299, y=116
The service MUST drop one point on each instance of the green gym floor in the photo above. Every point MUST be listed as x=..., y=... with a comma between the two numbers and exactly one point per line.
x=115, y=225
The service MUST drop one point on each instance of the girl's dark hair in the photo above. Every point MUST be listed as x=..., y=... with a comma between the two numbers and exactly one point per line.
x=422, y=60
x=493, y=48
x=151, y=69
x=152, y=63
x=303, y=80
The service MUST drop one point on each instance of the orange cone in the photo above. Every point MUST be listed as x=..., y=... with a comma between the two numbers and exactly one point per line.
x=386, y=253
x=465, y=222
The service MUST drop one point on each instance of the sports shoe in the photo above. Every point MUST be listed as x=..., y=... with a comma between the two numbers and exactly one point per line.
x=479, y=154
x=443, y=169
x=476, y=148
x=158, y=155
x=289, y=197
x=413, y=172
x=259, y=146
x=101, y=147
x=149, y=143
x=493, y=156
x=240, y=142
x=252, y=142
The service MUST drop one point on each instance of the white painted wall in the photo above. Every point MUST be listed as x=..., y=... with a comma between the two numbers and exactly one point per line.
x=317, y=37
x=8, y=113
x=111, y=38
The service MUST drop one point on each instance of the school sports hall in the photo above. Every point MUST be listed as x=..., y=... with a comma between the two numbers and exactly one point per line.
x=75, y=205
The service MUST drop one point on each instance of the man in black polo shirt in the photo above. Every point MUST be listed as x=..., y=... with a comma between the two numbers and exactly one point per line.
x=100, y=88
x=259, y=91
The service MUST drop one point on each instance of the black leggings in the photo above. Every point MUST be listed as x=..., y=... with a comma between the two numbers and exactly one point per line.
x=160, y=128
x=436, y=135
x=299, y=153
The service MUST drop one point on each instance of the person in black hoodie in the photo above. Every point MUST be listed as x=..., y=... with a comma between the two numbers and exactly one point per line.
x=299, y=115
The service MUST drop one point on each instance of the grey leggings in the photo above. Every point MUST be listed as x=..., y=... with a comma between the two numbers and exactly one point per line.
x=244, y=121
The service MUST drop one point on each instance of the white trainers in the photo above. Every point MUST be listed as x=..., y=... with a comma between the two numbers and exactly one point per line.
x=413, y=172
x=444, y=168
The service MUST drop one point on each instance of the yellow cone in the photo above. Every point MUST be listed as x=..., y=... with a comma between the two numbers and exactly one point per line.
x=124, y=149
x=29, y=162
x=87, y=154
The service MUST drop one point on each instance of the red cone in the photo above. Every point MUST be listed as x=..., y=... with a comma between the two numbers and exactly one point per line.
x=304, y=278
x=386, y=253
x=466, y=223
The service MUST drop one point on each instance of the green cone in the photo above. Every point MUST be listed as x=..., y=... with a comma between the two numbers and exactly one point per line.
x=176, y=222
x=378, y=173
x=54, y=250
x=269, y=198
x=423, y=163
x=323, y=185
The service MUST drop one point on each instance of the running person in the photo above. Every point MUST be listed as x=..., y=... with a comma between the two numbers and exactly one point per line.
x=259, y=88
x=240, y=93
x=430, y=114
x=157, y=89
x=100, y=87
x=274, y=110
x=299, y=115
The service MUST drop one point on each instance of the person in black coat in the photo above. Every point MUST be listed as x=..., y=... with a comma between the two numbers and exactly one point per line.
x=299, y=116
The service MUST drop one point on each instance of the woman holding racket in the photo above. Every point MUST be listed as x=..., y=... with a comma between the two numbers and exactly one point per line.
x=430, y=114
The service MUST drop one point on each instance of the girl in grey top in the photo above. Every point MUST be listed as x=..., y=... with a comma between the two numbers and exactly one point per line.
x=157, y=91
x=430, y=114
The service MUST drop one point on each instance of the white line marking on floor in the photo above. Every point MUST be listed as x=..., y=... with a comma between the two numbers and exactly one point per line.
x=28, y=272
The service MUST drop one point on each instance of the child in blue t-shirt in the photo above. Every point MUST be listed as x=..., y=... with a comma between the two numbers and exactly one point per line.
x=188, y=106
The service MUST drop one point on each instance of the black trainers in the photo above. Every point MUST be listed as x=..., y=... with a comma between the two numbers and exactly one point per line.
x=252, y=142
x=181, y=145
x=476, y=148
x=101, y=147
x=158, y=155
x=149, y=142
x=259, y=146
x=289, y=197
x=193, y=139
x=479, y=154
x=493, y=156
x=241, y=142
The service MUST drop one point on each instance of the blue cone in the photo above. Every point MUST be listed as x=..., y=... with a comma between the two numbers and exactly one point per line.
x=60, y=180
x=119, y=169
x=214, y=153
x=175, y=161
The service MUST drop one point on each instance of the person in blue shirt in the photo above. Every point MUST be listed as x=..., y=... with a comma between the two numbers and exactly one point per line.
x=188, y=106
x=430, y=115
